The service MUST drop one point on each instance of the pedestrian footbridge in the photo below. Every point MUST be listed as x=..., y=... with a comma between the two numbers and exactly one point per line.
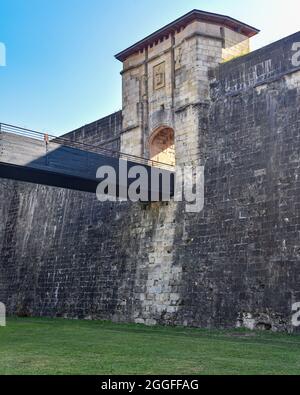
x=34, y=157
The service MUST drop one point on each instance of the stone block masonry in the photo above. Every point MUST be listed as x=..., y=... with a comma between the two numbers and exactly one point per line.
x=62, y=253
x=105, y=132
x=243, y=265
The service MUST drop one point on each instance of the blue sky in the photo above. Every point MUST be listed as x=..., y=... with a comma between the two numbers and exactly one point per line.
x=61, y=72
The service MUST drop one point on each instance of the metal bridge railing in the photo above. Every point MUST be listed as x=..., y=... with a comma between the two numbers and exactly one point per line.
x=16, y=130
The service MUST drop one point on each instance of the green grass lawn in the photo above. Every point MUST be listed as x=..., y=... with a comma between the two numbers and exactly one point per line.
x=57, y=346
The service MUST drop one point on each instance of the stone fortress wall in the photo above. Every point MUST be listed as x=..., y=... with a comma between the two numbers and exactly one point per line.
x=63, y=253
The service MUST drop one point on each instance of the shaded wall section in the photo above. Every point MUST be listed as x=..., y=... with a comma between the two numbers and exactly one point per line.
x=241, y=263
x=63, y=253
x=104, y=132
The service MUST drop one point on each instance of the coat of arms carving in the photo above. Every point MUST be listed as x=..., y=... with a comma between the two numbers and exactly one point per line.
x=159, y=76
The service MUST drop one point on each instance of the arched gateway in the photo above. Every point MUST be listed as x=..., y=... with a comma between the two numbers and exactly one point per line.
x=162, y=145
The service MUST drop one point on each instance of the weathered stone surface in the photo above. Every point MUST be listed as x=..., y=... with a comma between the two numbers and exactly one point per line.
x=63, y=253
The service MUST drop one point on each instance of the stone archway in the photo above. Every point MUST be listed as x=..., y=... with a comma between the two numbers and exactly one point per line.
x=162, y=145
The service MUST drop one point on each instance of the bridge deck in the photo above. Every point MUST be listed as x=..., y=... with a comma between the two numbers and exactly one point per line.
x=26, y=156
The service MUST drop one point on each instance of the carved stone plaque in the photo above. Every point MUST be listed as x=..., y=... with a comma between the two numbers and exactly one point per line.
x=159, y=77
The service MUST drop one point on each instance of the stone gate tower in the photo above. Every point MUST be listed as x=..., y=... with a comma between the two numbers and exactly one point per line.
x=166, y=85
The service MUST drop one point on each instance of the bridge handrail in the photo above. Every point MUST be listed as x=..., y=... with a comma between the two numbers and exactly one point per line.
x=17, y=130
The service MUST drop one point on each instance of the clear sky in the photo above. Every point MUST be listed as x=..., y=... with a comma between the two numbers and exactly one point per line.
x=61, y=72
